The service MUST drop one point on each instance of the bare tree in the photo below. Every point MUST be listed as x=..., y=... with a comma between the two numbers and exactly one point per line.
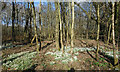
x=61, y=36
x=34, y=19
x=98, y=23
x=72, y=27
x=57, y=27
x=40, y=22
x=113, y=36
x=13, y=19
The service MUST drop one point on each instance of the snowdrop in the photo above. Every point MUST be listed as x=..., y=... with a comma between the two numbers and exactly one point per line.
x=20, y=62
x=75, y=58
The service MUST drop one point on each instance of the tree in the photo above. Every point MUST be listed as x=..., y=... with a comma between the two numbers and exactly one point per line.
x=98, y=23
x=34, y=20
x=72, y=27
x=13, y=20
x=117, y=5
x=109, y=34
x=40, y=22
x=48, y=19
x=61, y=36
x=66, y=25
x=113, y=36
x=27, y=22
x=57, y=27
x=64, y=19
x=30, y=15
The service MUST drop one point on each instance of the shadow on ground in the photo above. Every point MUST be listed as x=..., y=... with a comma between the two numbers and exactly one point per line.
x=108, y=58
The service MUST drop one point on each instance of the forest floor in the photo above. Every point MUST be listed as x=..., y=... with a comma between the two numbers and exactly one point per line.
x=81, y=59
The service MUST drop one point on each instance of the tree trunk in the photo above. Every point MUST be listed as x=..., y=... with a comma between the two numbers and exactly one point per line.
x=30, y=33
x=70, y=19
x=61, y=36
x=117, y=22
x=63, y=19
x=34, y=19
x=57, y=27
x=48, y=17
x=26, y=26
x=66, y=34
x=87, y=28
x=43, y=28
x=40, y=22
x=113, y=36
x=109, y=34
x=72, y=27
x=98, y=23
x=17, y=30
x=13, y=19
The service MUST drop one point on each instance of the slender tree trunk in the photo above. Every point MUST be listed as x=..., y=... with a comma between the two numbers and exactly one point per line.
x=26, y=26
x=22, y=37
x=87, y=28
x=109, y=34
x=40, y=22
x=72, y=27
x=98, y=23
x=57, y=27
x=43, y=28
x=66, y=34
x=13, y=19
x=61, y=36
x=118, y=43
x=113, y=36
x=48, y=17
x=117, y=21
x=50, y=24
x=17, y=32
x=70, y=19
x=30, y=33
x=34, y=19
x=63, y=19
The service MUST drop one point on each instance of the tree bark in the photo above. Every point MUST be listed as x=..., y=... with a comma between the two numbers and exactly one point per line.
x=61, y=36
x=27, y=21
x=40, y=22
x=72, y=27
x=98, y=23
x=13, y=19
x=109, y=34
x=113, y=37
x=70, y=19
x=57, y=27
x=48, y=17
x=66, y=34
x=30, y=33
x=62, y=6
x=34, y=19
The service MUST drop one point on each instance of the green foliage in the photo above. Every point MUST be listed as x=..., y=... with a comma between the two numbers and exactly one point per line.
x=101, y=59
x=99, y=64
x=95, y=63
x=44, y=65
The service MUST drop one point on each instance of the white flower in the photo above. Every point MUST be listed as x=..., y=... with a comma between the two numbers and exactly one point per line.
x=75, y=58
